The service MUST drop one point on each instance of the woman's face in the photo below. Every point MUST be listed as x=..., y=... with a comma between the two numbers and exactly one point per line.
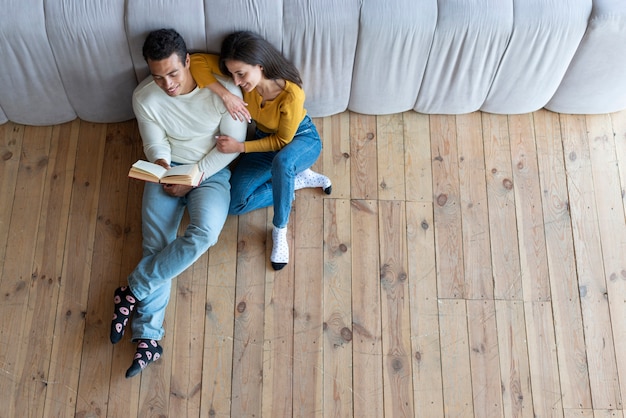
x=245, y=75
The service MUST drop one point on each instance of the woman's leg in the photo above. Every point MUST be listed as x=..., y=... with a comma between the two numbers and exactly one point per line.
x=251, y=183
x=300, y=154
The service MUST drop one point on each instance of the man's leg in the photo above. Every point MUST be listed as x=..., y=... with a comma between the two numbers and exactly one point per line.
x=207, y=205
x=160, y=218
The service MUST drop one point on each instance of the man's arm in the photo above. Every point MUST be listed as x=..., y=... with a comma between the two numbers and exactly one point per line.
x=215, y=160
x=153, y=136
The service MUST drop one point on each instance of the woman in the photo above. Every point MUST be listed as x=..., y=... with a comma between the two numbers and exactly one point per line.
x=287, y=143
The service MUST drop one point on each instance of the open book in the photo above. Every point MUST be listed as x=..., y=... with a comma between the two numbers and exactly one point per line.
x=187, y=174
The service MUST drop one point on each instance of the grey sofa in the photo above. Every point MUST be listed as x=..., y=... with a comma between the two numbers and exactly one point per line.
x=63, y=59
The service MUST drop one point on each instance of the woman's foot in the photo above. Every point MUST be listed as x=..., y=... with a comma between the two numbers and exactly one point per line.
x=280, y=249
x=147, y=352
x=124, y=301
x=311, y=179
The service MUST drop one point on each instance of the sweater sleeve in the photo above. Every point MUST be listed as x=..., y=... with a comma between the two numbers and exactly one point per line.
x=204, y=67
x=155, y=142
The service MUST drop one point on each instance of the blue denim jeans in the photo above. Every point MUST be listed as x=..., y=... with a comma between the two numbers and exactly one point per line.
x=166, y=255
x=263, y=179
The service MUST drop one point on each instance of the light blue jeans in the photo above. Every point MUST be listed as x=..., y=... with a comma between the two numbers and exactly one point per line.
x=166, y=255
x=263, y=179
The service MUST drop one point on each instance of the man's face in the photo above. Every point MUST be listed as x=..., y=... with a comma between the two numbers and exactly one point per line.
x=172, y=75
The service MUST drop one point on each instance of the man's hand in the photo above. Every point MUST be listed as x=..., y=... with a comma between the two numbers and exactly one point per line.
x=229, y=145
x=176, y=190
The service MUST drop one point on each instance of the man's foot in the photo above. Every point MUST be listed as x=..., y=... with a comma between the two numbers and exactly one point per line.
x=280, y=249
x=309, y=178
x=147, y=352
x=124, y=304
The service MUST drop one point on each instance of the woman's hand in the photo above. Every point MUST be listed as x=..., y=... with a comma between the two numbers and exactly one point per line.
x=236, y=107
x=228, y=145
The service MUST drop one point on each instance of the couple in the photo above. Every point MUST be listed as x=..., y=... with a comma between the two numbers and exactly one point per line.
x=185, y=115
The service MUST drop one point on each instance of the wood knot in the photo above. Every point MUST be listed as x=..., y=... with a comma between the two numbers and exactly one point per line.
x=208, y=307
x=7, y=156
x=370, y=136
x=346, y=334
x=507, y=183
x=572, y=156
x=343, y=248
x=442, y=199
x=397, y=365
x=346, y=155
x=241, y=307
x=424, y=225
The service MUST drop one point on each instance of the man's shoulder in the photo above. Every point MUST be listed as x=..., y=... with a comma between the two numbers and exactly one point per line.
x=145, y=89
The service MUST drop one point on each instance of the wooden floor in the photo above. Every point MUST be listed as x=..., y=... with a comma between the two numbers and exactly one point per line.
x=464, y=266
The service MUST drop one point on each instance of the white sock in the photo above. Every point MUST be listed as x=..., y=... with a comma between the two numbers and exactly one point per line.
x=280, y=249
x=309, y=178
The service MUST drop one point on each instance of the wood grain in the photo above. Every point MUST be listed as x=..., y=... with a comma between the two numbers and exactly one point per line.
x=464, y=265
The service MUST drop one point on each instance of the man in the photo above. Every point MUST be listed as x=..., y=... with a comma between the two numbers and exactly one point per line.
x=178, y=123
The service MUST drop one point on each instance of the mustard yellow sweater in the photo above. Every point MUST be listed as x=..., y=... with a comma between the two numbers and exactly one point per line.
x=279, y=118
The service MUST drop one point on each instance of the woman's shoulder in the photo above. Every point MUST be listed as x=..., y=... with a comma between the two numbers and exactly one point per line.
x=294, y=92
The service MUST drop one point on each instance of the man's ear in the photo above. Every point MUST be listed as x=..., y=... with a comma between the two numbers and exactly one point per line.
x=187, y=60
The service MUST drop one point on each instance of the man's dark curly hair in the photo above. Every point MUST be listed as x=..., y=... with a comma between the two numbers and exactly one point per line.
x=162, y=43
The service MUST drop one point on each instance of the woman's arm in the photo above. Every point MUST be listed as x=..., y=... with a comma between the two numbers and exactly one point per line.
x=204, y=68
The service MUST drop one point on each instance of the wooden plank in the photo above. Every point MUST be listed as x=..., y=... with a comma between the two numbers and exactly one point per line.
x=390, y=157
x=447, y=210
x=574, y=375
x=308, y=361
x=544, y=372
x=335, y=159
x=474, y=208
x=517, y=399
x=363, y=166
x=48, y=265
x=154, y=393
x=95, y=366
x=395, y=304
x=338, y=332
x=278, y=327
x=366, y=311
x=612, y=228
x=505, y=261
x=249, y=315
x=418, y=178
x=532, y=246
x=18, y=274
x=72, y=308
x=484, y=358
x=219, y=322
x=455, y=358
x=124, y=393
x=605, y=393
x=11, y=137
x=422, y=280
x=578, y=413
x=619, y=131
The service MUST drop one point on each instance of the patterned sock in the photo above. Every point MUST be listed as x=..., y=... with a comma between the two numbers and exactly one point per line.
x=124, y=301
x=147, y=352
x=309, y=178
x=280, y=249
